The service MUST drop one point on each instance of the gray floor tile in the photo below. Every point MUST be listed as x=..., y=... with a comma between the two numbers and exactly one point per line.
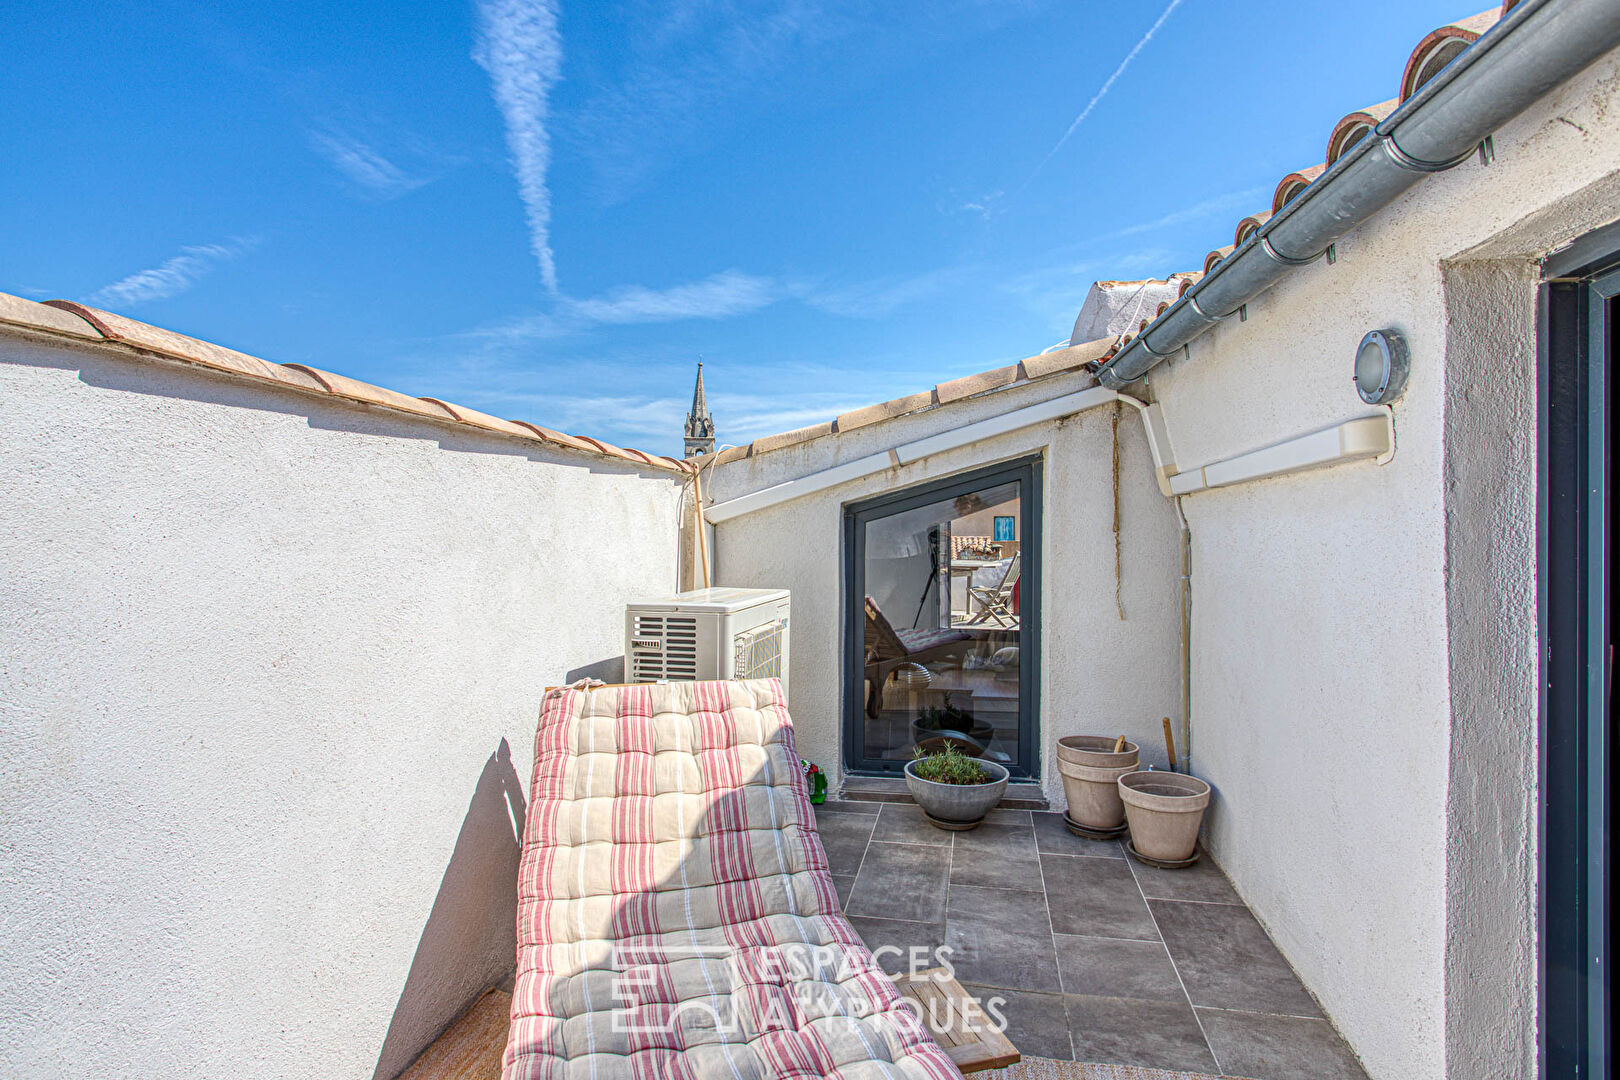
x=998, y=838
x=1095, y=898
x=843, y=883
x=1055, y=838
x=846, y=806
x=1202, y=881
x=1111, y=967
x=1036, y=1023
x=1001, y=937
x=901, y=823
x=996, y=856
x=1226, y=960
x=901, y=881
x=1002, y=816
x=884, y=936
x=1125, y=1031
x=1279, y=1047
x=844, y=836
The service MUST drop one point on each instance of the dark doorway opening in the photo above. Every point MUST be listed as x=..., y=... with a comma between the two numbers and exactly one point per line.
x=942, y=586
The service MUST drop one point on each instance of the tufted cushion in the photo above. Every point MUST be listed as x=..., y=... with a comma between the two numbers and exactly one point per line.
x=675, y=914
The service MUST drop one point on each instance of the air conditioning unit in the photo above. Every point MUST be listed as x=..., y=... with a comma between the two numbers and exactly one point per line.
x=708, y=634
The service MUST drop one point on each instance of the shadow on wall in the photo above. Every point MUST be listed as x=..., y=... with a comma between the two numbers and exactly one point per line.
x=610, y=671
x=470, y=940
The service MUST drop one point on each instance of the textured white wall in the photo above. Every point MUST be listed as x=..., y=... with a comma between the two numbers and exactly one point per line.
x=1363, y=640
x=268, y=686
x=1099, y=674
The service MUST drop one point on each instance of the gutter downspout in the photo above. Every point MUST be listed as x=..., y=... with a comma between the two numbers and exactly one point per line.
x=1531, y=50
x=1185, y=764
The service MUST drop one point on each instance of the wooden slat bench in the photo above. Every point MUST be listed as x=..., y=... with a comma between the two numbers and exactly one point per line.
x=957, y=1022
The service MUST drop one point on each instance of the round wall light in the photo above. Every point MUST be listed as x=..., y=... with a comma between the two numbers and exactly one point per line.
x=1381, y=367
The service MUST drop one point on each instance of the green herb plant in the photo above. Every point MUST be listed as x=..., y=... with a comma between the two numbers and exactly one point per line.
x=949, y=766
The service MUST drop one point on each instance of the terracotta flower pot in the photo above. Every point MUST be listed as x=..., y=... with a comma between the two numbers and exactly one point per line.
x=1165, y=811
x=1091, y=771
x=1096, y=751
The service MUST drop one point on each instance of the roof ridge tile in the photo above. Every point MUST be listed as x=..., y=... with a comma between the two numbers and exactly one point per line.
x=99, y=325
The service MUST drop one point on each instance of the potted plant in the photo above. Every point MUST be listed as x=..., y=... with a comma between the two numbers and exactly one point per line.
x=954, y=790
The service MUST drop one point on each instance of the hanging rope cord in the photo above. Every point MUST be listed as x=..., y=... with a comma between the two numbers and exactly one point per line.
x=694, y=486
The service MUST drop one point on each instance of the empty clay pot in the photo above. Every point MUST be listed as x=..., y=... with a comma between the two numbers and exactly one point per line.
x=1091, y=771
x=1096, y=751
x=1165, y=811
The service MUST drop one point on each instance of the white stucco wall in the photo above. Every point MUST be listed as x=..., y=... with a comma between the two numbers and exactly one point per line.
x=1364, y=636
x=1098, y=674
x=269, y=672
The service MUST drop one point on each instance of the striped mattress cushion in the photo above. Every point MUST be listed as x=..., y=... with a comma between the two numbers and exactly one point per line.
x=675, y=914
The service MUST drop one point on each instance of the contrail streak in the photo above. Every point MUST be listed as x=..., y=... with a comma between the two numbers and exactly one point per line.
x=1109, y=85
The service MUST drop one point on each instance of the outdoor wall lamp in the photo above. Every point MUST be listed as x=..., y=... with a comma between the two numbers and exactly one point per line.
x=1381, y=367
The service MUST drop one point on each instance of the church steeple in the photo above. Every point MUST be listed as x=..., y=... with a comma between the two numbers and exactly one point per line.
x=699, y=424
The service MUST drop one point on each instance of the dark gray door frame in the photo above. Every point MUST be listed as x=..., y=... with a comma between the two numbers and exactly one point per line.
x=1576, y=343
x=1027, y=470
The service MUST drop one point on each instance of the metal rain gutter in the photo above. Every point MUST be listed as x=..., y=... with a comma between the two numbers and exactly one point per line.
x=1532, y=49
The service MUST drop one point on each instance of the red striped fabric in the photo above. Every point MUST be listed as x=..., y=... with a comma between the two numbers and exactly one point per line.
x=676, y=918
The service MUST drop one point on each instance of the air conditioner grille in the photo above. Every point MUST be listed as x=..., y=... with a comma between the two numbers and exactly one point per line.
x=757, y=653
x=663, y=647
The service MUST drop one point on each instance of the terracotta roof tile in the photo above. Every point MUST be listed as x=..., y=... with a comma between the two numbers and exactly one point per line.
x=1291, y=185
x=545, y=434
x=1441, y=46
x=1437, y=48
x=153, y=339
x=71, y=319
x=15, y=311
x=790, y=438
x=733, y=453
x=969, y=385
x=355, y=390
x=1248, y=226
x=871, y=414
x=482, y=420
x=1072, y=358
x=1354, y=127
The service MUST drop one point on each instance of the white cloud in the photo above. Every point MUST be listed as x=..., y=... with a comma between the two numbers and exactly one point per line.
x=364, y=165
x=730, y=292
x=719, y=296
x=651, y=422
x=883, y=296
x=171, y=277
x=519, y=46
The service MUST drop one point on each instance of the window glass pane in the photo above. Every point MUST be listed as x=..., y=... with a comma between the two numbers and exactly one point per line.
x=943, y=604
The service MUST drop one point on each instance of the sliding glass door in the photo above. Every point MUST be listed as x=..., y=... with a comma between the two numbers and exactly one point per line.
x=942, y=620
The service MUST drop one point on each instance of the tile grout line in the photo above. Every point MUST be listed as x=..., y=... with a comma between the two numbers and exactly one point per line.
x=843, y=908
x=1257, y=1012
x=1046, y=898
x=1175, y=967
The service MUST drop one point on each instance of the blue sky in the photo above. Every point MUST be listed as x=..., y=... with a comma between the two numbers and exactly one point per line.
x=550, y=211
